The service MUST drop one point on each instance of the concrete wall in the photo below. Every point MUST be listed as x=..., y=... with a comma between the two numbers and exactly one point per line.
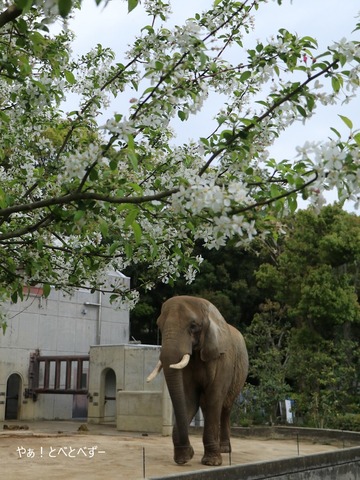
x=337, y=465
x=325, y=435
x=58, y=325
x=118, y=374
x=144, y=411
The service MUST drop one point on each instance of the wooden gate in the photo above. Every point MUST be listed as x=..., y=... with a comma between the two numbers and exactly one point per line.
x=57, y=374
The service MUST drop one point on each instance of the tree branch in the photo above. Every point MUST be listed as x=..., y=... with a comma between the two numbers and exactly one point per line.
x=266, y=114
x=274, y=199
x=10, y=14
x=77, y=196
x=166, y=75
x=44, y=222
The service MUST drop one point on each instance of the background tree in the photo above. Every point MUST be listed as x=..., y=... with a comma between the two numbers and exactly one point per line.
x=267, y=340
x=226, y=277
x=314, y=277
x=324, y=376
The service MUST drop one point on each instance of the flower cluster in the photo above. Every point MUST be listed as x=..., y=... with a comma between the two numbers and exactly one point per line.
x=205, y=195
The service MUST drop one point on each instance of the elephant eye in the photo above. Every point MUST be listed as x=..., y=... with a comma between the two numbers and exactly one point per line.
x=194, y=327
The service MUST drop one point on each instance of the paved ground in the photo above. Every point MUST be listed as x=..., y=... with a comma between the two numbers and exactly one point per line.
x=59, y=451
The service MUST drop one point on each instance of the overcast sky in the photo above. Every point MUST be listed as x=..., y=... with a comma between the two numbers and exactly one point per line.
x=326, y=20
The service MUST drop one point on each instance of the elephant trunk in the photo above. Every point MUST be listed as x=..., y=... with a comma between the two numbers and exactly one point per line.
x=174, y=380
x=175, y=386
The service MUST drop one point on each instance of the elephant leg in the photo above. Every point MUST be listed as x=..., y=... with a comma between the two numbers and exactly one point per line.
x=212, y=454
x=225, y=445
x=184, y=453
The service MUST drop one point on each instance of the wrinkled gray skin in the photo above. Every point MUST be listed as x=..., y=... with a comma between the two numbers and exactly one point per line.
x=213, y=378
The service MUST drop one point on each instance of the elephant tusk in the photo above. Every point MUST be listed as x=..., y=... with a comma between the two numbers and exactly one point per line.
x=183, y=362
x=154, y=373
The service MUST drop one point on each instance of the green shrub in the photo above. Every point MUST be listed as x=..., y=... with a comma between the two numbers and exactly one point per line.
x=347, y=421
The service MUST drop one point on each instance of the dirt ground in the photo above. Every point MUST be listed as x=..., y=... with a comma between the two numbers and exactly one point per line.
x=59, y=451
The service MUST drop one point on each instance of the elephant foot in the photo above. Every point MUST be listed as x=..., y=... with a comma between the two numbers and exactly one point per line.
x=183, y=454
x=212, y=459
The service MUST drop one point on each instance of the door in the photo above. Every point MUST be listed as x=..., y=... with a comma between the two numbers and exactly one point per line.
x=13, y=397
x=110, y=396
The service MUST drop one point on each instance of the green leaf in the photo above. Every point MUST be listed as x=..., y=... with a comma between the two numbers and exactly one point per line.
x=133, y=160
x=131, y=216
x=136, y=187
x=46, y=289
x=64, y=7
x=276, y=70
x=245, y=76
x=5, y=118
x=301, y=110
x=131, y=154
x=182, y=115
x=357, y=138
x=190, y=227
x=335, y=131
x=246, y=121
x=274, y=191
x=347, y=121
x=20, y=292
x=3, y=327
x=3, y=199
x=78, y=215
x=203, y=59
x=113, y=164
x=38, y=40
x=228, y=135
x=335, y=84
x=131, y=142
x=132, y=4
x=69, y=77
x=128, y=250
x=137, y=232
x=24, y=5
x=292, y=203
x=159, y=65
x=22, y=25
x=94, y=175
x=104, y=228
x=310, y=102
x=113, y=248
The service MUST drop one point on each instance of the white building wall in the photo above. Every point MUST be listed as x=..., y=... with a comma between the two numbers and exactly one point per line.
x=58, y=325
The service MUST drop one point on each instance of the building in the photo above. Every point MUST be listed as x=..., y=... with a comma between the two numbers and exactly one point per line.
x=44, y=353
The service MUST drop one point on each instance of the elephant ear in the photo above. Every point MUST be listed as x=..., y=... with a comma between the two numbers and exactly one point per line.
x=215, y=334
x=163, y=315
x=161, y=321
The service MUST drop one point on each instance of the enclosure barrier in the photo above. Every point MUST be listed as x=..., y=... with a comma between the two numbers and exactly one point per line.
x=337, y=465
x=344, y=438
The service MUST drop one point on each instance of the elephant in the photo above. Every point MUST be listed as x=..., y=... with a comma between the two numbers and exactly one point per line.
x=205, y=363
